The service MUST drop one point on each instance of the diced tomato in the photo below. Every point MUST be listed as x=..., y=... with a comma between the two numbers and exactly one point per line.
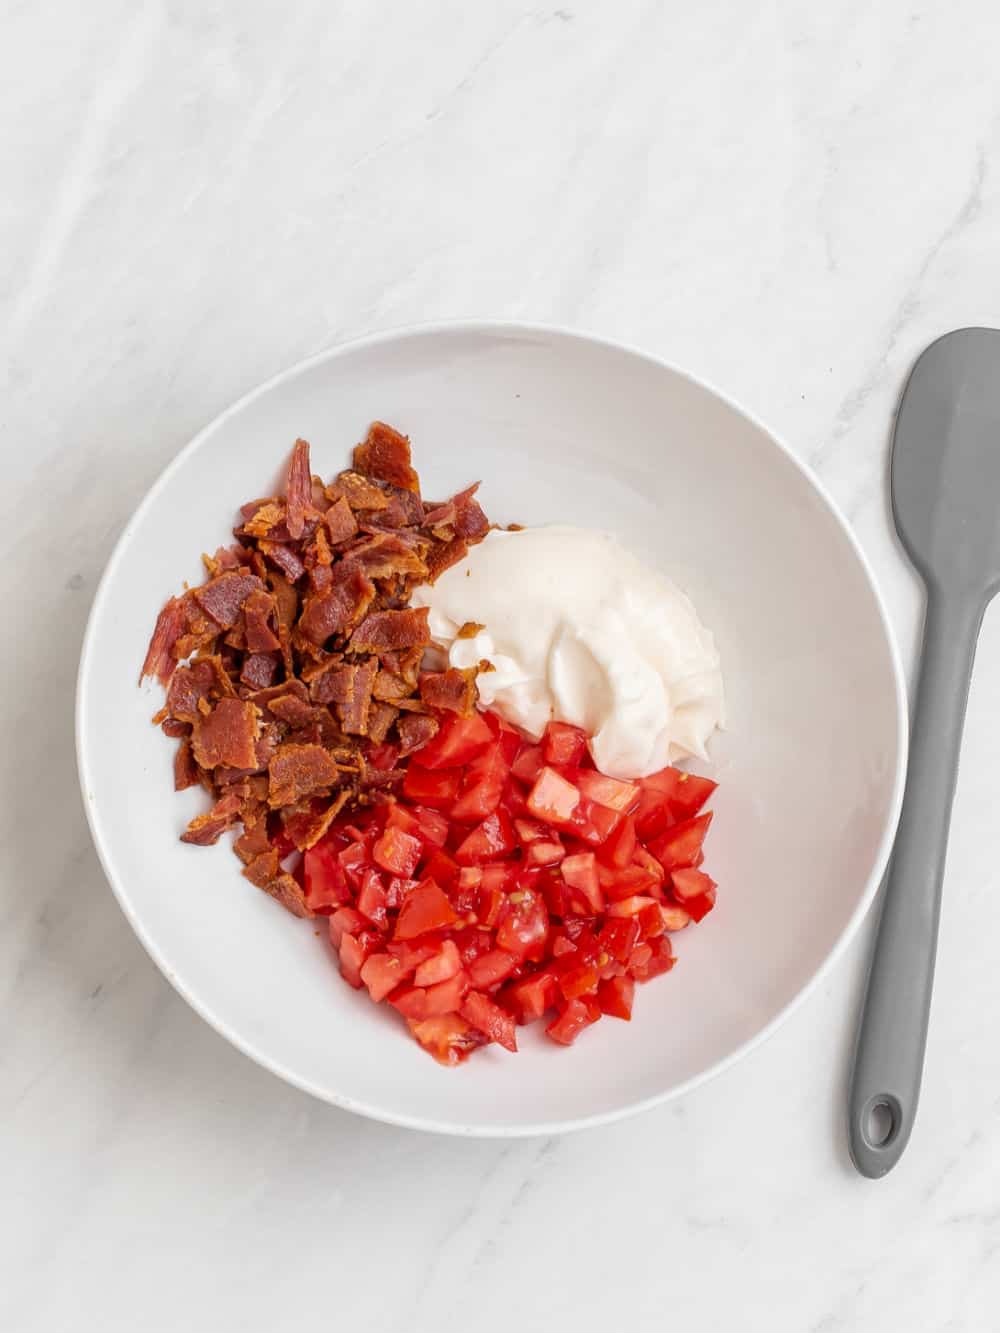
x=674, y=917
x=381, y=973
x=441, y=967
x=372, y=899
x=615, y=997
x=656, y=957
x=441, y=868
x=619, y=847
x=515, y=799
x=411, y=953
x=426, y=1002
x=437, y=788
x=595, y=824
x=489, y=905
x=426, y=908
x=458, y=742
x=699, y=907
x=678, y=847
x=530, y=830
x=491, y=839
x=397, y=852
x=354, y=952
x=689, y=794
x=619, y=884
x=619, y=936
x=528, y=764
x=449, y=1038
x=491, y=968
x=570, y=1022
x=556, y=894
x=631, y=906
x=524, y=925
x=482, y=788
x=690, y=884
x=354, y=861
x=345, y=921
x=552, y=798
x=563, y=744
x=616, y=795
x=325, y=880
x=498, y=876
x=543, y=853
x=490, y=1019
x=531, y=996
x=580, y=979
x=396, y=890
x=651, y=921
x=580, y=875
x=432, y=826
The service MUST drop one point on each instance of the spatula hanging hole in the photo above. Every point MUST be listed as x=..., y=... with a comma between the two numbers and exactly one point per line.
x=880, y=1124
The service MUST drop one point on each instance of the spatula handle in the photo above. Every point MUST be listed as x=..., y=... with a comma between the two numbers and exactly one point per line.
x=890, y=1051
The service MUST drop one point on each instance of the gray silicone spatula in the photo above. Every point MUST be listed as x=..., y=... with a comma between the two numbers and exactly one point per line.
x=946, y=502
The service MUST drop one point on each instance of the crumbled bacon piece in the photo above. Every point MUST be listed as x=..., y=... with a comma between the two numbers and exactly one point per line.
x=353, y=710
x=453, y=690
x=343, y=605
x=297, y=771
x=160, y=660
x=264, y=868
x=186, y=771
x=388, y=631
x=359, y=492
x=226, y=735
x=258, y=611
x=340, y=521
x=285, y=558
x=222, y=598
x=298, y=489
x=415, y=730
x=385, y=454
x=259, y=670
x=204, y=830
x=287, y=891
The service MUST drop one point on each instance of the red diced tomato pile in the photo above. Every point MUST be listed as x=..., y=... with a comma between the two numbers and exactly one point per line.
x=511, y=882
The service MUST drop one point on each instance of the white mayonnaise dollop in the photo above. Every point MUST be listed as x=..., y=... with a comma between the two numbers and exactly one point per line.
x=579, y=630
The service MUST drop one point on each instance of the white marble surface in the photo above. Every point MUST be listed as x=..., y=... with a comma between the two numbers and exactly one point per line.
x=791, y=201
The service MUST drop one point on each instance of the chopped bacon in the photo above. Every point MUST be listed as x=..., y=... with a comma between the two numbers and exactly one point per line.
x=415, y=730
x=385, y=454
x=353, y=711
x=298, y=489
x=287, y=891
x=293, y=670
x=388, y=631
x=258, y=610
x=453, y=690
x=297, y=771
x=386, y=554
x=285, y=558
x=226, y=735
x=443, y=555
x=306, y=827
x=335, y=611
x=204, y=830
x=359, y=492
x=222, y=597
x=160, y=660
x=340, y=521
x=264, y=868
x=381, y=716
x=253, y=842
x=186, y=771
x=259, y=670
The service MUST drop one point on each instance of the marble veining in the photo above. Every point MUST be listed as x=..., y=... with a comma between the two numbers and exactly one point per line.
x=788, y=200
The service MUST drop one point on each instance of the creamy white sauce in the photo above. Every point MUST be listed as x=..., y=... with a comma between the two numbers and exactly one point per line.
x=579, y=630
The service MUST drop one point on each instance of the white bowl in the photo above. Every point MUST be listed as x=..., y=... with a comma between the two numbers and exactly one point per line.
x=563, y=428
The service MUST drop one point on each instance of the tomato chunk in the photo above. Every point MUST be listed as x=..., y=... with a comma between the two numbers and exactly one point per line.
x=567, y=1026
x=397, y=852
x=580, y=873
x=381, y=973
x=491, y=968
x=490, y=1019
x=493, y=838
x=325, y=880
x=426, y=908
x=615, y=997
x=441, y=967
x=482, y=788
x=449, y=1038
x=459, y=740
x=528, y=764
x=679, y=846
x=610, y=792
x=563, y=745
x=552, y=798
x=437, y=788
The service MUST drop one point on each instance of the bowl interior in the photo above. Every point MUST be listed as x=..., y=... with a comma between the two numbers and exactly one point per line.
x=559, y=428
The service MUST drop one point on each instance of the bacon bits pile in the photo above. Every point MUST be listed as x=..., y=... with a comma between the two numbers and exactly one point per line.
x=293, y=673
x=472, y=879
